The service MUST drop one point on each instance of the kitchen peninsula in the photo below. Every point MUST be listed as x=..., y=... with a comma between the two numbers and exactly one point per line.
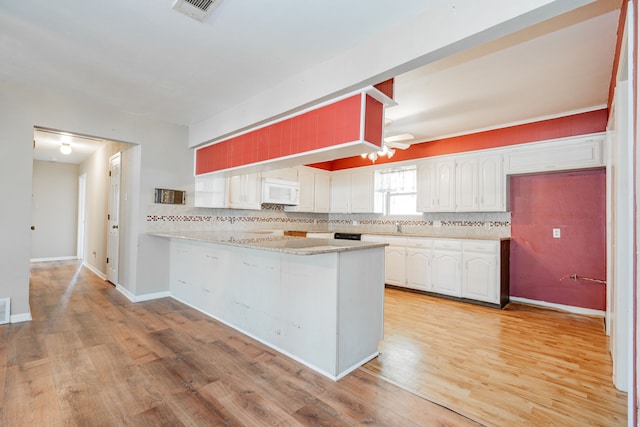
x=319, y=301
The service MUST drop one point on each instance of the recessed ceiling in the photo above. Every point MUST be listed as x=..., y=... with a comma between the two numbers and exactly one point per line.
x=47, y=146
x=145, y=58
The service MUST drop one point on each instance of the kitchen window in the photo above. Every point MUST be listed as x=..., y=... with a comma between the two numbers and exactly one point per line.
x=395, y=191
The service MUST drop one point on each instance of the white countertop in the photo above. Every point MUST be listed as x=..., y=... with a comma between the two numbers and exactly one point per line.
x=266, y=240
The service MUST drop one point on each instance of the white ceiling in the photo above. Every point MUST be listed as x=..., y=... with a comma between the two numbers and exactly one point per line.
x=47, y=146
x=143, y=57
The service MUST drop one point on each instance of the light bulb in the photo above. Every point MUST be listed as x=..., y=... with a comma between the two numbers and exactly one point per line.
x=65, y=148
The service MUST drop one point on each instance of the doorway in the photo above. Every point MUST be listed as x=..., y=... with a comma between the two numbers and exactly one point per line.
x=113, y=219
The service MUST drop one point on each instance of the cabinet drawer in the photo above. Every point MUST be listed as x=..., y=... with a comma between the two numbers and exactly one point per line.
x=417, y=242
x=447, y=244
x=395, y=241
x=483, y=246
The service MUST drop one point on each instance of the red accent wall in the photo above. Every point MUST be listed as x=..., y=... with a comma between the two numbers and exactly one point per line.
x=575, y=203
x=561, y=127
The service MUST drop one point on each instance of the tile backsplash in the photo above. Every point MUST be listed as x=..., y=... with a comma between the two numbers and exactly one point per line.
x=176, y=218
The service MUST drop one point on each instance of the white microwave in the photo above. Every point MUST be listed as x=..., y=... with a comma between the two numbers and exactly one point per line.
x=280, y=192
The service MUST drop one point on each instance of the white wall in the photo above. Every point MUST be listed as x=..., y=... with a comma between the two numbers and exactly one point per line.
x=97, y=202
x=54, y=210
x=164, y=158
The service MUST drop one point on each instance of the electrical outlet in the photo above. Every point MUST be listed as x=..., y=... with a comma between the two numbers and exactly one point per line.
x=556, y=233
x=354, y=222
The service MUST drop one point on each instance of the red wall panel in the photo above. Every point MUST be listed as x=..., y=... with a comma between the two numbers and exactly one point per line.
x=327, y=126
x=540, y=265
x=561, y=127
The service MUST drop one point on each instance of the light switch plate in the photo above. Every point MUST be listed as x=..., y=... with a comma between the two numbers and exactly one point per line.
x=556, y=233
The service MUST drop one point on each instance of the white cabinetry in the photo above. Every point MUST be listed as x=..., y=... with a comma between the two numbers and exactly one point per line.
x=566, y=154
x=245, y=191
x=306, y=180
x=340, y=192
x=480, y=270
x=322, y=192
x=407, y=261
x=492, y=183
x=466, y=183
x=211, y=191
x=352, y=192
x=480, y=183
x=394, y=261
x=315, y=190
x=362, y=191
x=447, y=262
x=463, y=268
x=418, y=263
x=436, y=186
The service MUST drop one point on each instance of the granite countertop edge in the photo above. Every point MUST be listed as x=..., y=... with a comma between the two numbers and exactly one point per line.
x=273, y=242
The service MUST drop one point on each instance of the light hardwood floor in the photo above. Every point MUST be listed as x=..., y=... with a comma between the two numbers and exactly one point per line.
x=518, y=366
x=91, y=358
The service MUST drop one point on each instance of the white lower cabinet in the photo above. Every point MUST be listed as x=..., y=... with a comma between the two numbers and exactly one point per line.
x=447, y=263
x=418, y=264
x=480, y=271
x=462, y=268
x=394, y=263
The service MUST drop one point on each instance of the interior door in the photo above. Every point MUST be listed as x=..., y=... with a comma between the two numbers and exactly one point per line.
x=113, y=219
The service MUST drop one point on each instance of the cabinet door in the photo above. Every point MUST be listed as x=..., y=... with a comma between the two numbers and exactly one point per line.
x=322, y=193
x=492, y=183
x=245, y=191
x=394, y=269
x=446, y=278
x=340, y=193
x=418, y=268
x=253, y=191
x=211, y=191
x=425, y=187
x=480, y=270
x=467, y=184
x=306, y=179
x=445, y=189
x=362, y=191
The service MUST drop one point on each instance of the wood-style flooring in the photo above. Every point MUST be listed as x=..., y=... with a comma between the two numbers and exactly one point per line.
x=518, y=366
x=90, y=357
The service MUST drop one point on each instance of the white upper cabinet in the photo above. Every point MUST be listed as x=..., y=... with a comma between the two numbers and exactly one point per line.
x=322, y=192
x=480, y=183
x=565, y=154
x=340, y=192
x=306, y=179
x=467, y=184
x=352, y=192
x=211, y=191
x=362, y=191
x=492, y=183
x=245, y=191
x=436, y=186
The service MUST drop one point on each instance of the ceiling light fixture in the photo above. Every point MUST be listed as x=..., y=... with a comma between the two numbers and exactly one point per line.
x=385, y=151
x=65, y=148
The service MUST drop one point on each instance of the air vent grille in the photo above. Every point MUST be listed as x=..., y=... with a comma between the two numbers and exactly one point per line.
x=197, y=9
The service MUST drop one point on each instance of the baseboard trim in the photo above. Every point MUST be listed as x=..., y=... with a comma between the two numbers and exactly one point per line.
x=23, y=317
x=95, y=271
x=562, y=307
x=155, y=295
x=57, y=258
x=140, y=298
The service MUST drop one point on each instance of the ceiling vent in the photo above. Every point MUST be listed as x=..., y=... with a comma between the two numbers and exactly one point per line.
x=196, y=9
